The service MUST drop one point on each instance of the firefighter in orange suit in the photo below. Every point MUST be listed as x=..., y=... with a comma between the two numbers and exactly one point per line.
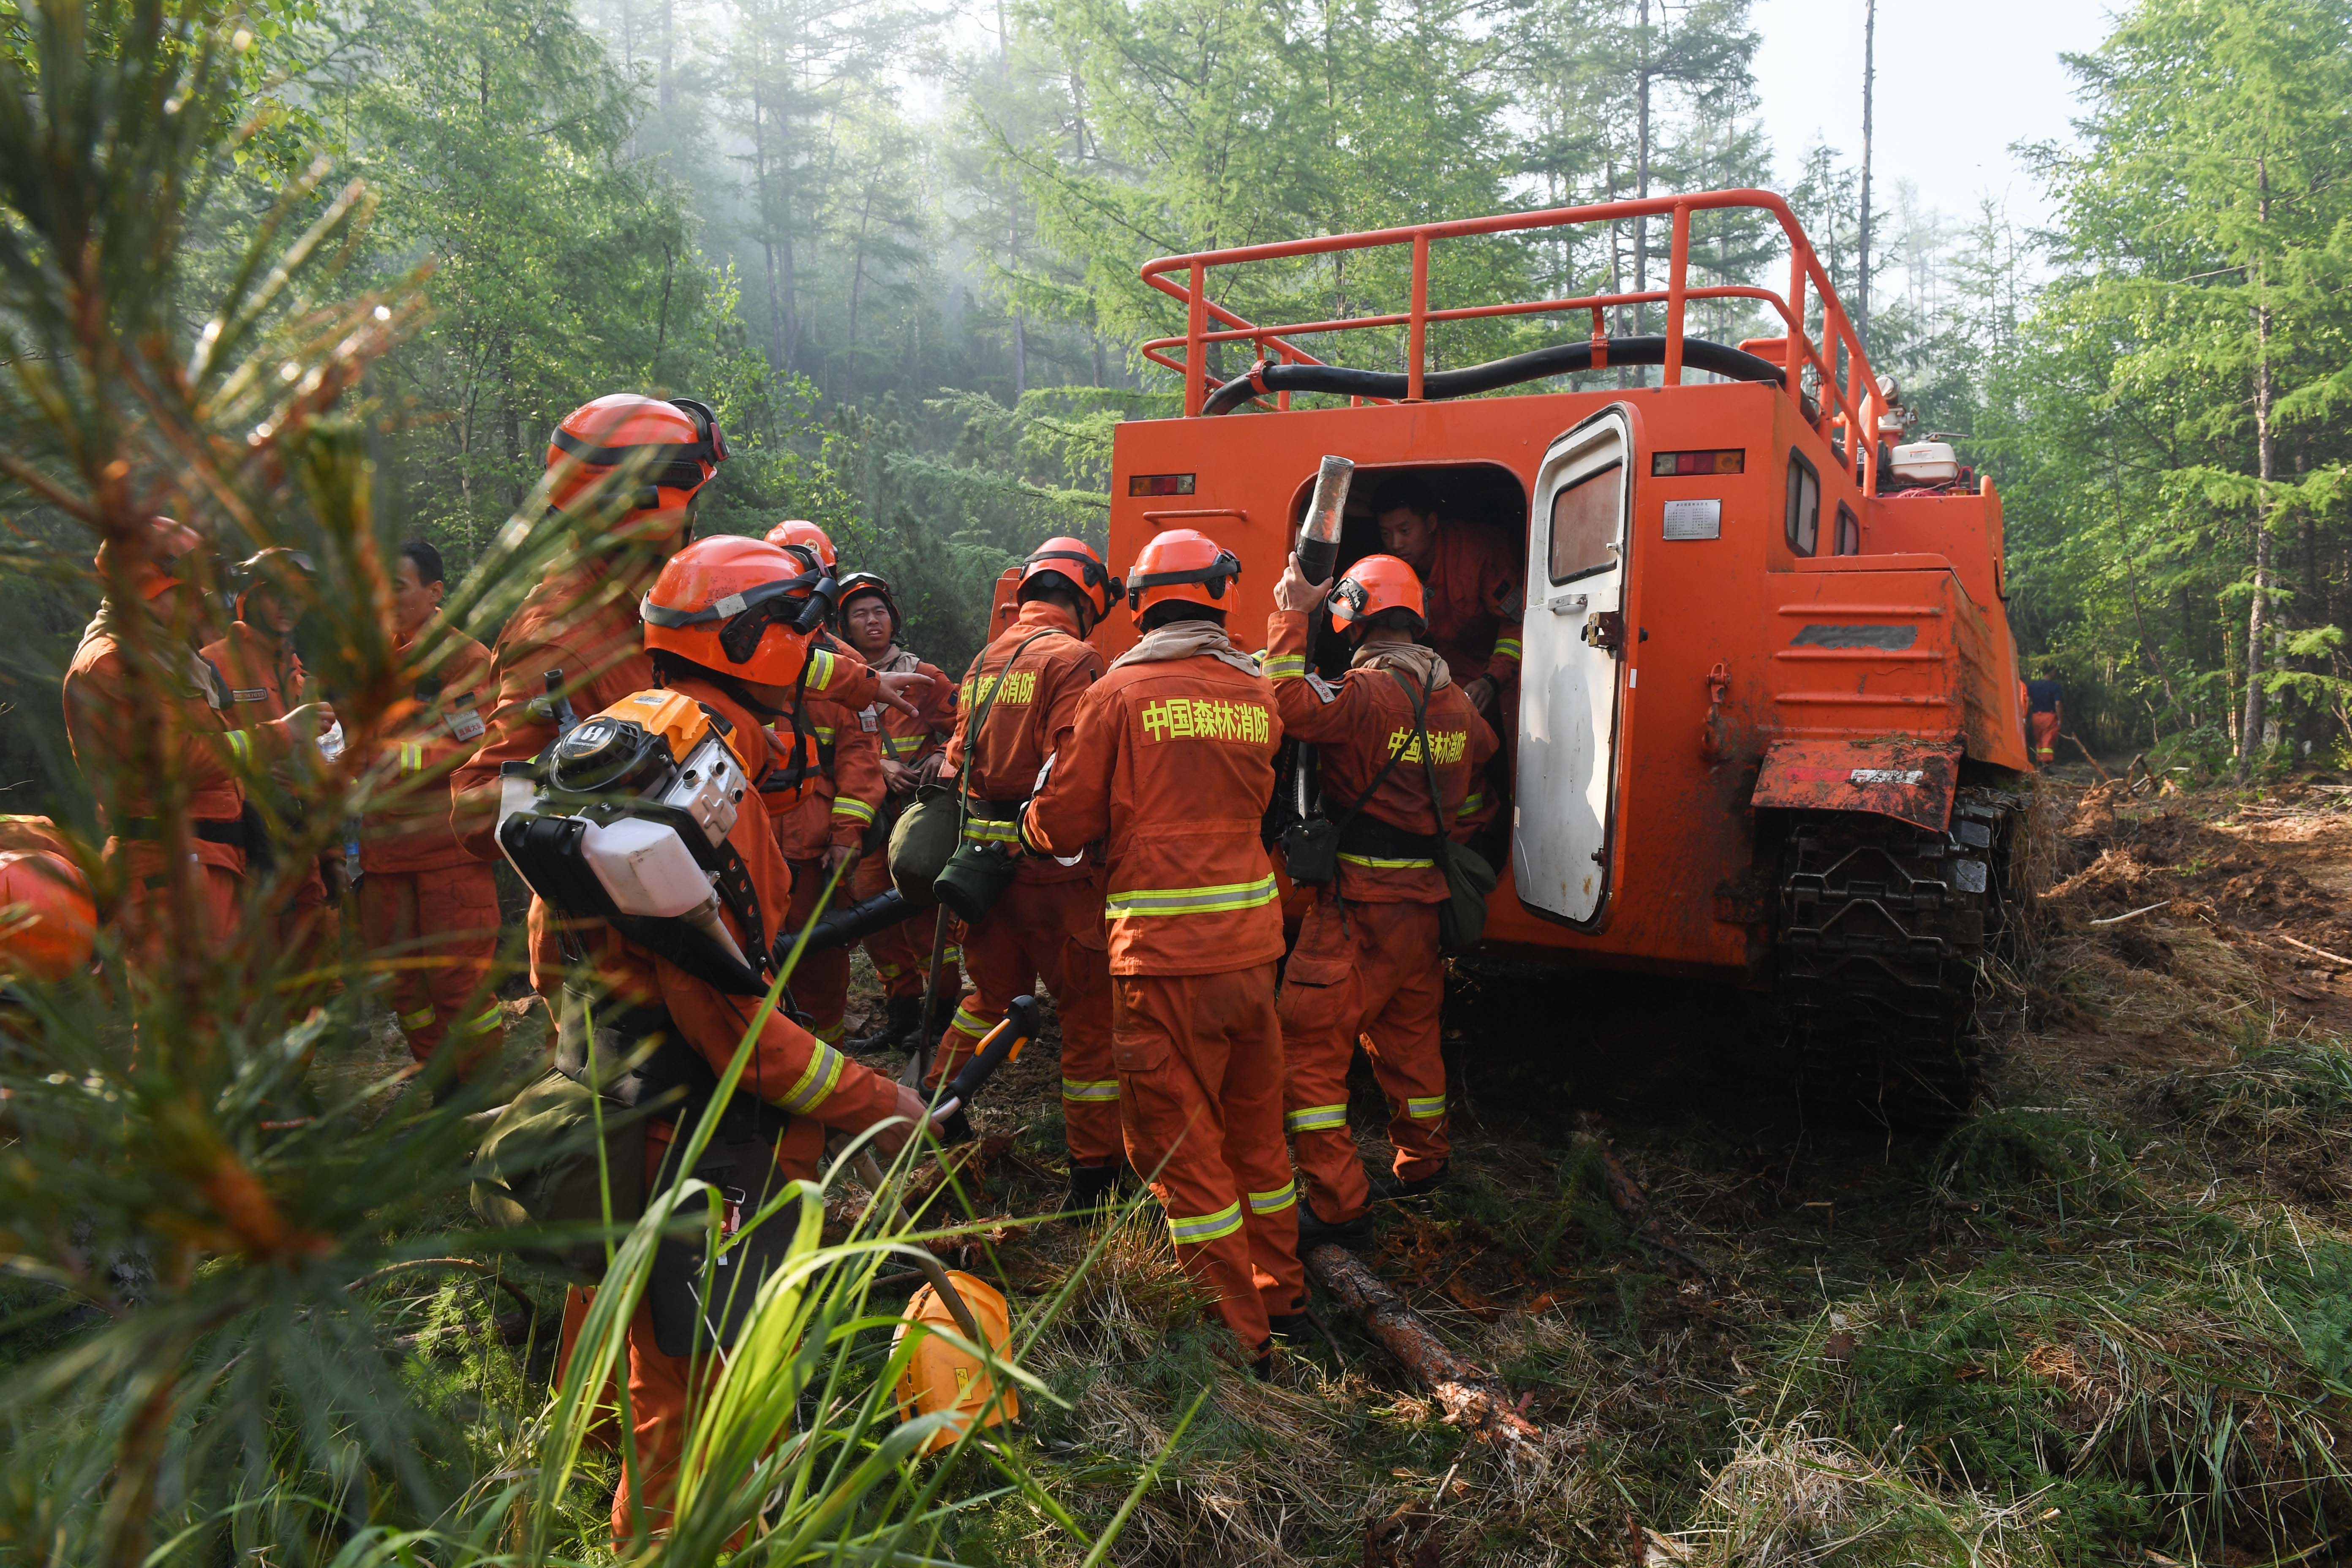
x=839, y=794
x=717, y=598
x=1049, y=923
x=426, y=906
x=643, y=461
x=1367, y=961
x=1472, y=591
x=266, y=681
x=135, y=727
x=48, y=922
x=913, y=751
x=1171, y=765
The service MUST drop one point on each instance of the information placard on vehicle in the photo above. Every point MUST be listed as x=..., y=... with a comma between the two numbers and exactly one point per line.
x=1693, y=519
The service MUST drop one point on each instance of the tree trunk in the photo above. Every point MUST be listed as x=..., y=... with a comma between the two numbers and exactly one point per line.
x=2250, y=731
x=1642, y=174
x=664, y=83
x=1862, y=269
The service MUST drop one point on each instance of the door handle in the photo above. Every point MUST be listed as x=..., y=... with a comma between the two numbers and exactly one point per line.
x=1567, y=604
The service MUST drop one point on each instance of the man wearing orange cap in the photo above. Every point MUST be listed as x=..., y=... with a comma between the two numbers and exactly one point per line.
x=1471, y=590
x=836, y=784
x=633, y=466
x=1018, y=703
x=147, y=717
x=913, y=752
x=426, y=905
x=1170, y=764
x=265, y=679
x=1366, y=961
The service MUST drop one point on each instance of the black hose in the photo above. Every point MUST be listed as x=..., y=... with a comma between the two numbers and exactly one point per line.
x=1560, y=359
x=842, y=927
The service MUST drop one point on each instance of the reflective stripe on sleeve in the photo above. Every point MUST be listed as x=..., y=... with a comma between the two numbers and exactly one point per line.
x=820, y=669
x=1505, y=648
x=1085, y=1090
x=1287, y=666
x=991, y=830
x=822, y=1073
x=1373, y=862
x=852, y=807
x=412, y=756
x=952, y=955
x=1205, y=1228
x=1428, y=1107
x=240, y=745
x=1316, y=1118
x=1140, y=901
x=1274, y=1202
x=1472, y=805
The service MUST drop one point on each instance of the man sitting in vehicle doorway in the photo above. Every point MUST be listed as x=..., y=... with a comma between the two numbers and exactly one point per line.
x=1471, y=579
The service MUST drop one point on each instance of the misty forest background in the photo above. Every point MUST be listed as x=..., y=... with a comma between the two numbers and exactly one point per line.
x=896, y=246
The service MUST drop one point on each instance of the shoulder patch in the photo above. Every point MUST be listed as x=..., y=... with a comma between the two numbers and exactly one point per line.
x=1325, y=692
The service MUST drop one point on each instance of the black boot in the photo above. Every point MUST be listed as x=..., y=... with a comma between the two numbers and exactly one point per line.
x=1314, y=1232
x=1289, y=1328
x=1386, y=1189
x=900, y=1019
x=1091, y=1187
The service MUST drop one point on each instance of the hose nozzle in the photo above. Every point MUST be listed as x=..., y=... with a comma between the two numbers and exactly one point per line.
x=1318, y=531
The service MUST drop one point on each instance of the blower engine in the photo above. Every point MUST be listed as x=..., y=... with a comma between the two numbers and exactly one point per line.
x=625, y=818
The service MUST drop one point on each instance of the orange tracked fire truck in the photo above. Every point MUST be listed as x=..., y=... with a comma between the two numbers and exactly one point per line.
x=1768, y=723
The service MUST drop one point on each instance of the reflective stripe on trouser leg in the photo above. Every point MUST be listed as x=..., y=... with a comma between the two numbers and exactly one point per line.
x=1274, y=1202
x=1200, y=1102
x=1403, y=1035
x=1321, y=1003
x=1083, y=1092
x=482, y=1023
x=1194, y=1229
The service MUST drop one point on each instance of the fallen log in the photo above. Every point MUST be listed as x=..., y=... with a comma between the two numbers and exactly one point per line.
x=1625, y=1195
x=1468, y=1396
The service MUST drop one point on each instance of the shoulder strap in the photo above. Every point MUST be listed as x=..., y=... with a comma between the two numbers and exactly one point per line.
x=980, y=717
x=1429, y=766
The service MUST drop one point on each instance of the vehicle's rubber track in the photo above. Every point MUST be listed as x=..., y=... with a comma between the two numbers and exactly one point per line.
x=1881, y=933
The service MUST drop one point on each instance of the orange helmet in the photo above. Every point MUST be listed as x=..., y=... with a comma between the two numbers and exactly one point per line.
x=1374, y=584
x=731, y=604
x=162, y=563
x=277, y=569
x=1182, y=564
x=1075, y=561
x=49, y=923
x=798, y=535
x=671, y=450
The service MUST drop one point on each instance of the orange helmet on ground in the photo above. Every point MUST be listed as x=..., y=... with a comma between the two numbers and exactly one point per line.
x=1375, y=583
x=731, y=604
x=668, y=451
x=162, y=563
x=1184, y=565
x=1075, y=561
x=797, y=534
x=48, y=922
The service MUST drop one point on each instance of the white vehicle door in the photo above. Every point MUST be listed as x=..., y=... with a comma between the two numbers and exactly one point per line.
x=1579, y=533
